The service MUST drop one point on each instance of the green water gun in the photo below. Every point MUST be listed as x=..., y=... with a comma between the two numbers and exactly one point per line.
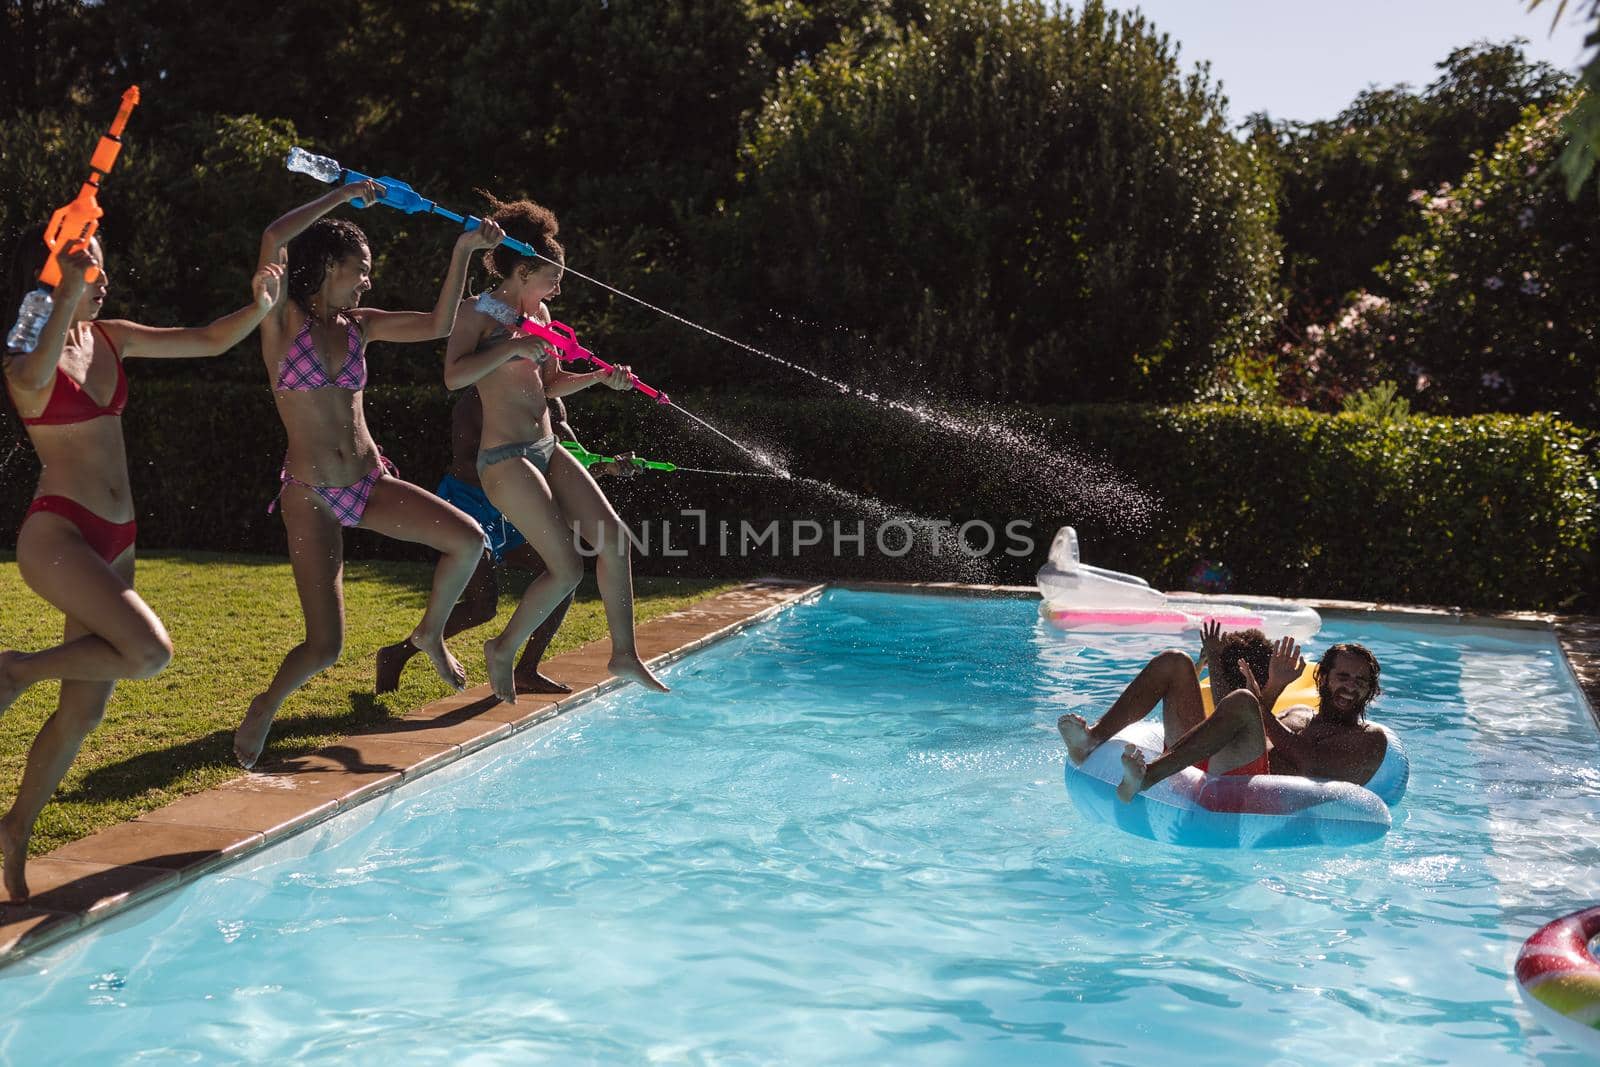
x=589, y=459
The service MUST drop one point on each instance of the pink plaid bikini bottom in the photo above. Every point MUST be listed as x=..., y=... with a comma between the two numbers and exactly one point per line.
x=349, y=502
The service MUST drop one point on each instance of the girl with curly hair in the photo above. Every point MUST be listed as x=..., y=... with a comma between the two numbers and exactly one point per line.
x=539, y=487
x=314, y=346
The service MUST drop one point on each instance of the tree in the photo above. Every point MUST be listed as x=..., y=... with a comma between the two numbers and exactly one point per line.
x=1008, y=200
x=1497, y=296
x=1583, y=121
x=1345, y=184
x=625, y=118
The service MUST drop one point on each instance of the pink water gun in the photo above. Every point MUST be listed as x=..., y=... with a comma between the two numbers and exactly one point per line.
x=564, y=339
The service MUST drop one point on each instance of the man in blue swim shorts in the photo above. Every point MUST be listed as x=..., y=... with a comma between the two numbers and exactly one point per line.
x=507, y=547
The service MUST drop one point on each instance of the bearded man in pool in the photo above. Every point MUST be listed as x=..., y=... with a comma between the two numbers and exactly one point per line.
x=1242, y=736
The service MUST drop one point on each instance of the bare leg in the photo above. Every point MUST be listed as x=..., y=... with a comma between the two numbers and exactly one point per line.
x=521, y=493
x=1169, y=680
x=583, y=502
x=1232, y=737
x=528, y=677
x=476, y=607
x=128, y=641
x=408, y=513
x=316, y=552
x=79, y=709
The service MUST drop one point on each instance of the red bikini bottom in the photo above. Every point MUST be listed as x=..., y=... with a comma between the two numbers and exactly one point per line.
x=108, y=539
x=1260, y=765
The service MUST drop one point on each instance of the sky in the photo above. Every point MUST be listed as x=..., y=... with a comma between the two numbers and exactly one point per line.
x=1307, y=59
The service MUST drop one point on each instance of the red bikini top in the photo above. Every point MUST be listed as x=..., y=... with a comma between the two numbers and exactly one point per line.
x=69, y=402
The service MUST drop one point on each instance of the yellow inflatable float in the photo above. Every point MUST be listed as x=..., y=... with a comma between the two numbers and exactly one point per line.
x=1303, y=690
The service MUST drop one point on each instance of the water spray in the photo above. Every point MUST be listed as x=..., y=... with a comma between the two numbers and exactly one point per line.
x=1095, y=480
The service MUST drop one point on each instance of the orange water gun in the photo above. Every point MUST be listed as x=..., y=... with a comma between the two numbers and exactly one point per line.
x=73, y=225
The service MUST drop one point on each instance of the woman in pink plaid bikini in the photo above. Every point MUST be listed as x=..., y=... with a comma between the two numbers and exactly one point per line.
x=314, y=347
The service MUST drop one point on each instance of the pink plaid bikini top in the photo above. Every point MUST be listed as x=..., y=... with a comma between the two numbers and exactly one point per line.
x=302, y=370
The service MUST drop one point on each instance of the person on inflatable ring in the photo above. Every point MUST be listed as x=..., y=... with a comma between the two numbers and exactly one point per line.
x=1243, y=736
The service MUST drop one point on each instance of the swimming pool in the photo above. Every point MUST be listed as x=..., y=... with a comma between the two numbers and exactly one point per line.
x=844, y=839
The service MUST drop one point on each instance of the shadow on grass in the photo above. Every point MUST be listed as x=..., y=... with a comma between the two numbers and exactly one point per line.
x=296, y=736
x=162, y=768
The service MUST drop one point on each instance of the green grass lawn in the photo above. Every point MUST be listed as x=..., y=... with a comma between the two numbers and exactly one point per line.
x=232, y=618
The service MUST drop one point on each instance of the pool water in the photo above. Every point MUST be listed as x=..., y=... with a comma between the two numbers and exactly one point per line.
x=844, y=838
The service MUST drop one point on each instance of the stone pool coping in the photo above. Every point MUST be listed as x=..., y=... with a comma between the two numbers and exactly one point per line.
x=102, y=875
x=99, y=876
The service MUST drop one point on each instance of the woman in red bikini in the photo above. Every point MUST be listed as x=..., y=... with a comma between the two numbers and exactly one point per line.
x=76, y=544
x=314, y=346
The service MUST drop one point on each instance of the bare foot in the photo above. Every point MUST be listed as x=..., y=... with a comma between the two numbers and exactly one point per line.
x=251, y=736
x=501, y=665
x=454, y=674
x=1075, y=732
x=10, y=687
x=534, y=682
x=1133, y=769
x=631, y=667
x=392, y=659
x=14, y=846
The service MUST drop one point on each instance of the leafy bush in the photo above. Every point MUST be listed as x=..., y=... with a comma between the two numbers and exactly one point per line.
x=1382, y=402
x=1489, y=511
x=1498, y=295
x=1013, y=200
x=1486, y=512
x=1344, y=182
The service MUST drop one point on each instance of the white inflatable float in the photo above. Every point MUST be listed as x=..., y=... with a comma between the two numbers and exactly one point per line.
x=1241, y=811
x=1095, y=600
x=1202, y=810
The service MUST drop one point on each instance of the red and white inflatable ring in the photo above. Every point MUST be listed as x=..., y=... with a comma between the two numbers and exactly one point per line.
x=1559, y=978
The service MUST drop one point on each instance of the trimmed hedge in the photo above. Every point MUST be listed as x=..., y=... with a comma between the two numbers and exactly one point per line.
x=1484, y=512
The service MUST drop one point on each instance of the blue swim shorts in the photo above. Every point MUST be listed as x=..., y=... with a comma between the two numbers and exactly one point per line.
x=498, y=533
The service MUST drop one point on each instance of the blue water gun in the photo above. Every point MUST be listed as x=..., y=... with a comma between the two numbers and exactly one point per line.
x=396, y=193
x=400, y=196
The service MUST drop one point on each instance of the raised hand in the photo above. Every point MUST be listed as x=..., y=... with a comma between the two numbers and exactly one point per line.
x=1251, y=682
x=1210, y=640
x=369, y=192
x=76, y=263
x=1286, y=665
x=486, y=235
x=268, y=286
